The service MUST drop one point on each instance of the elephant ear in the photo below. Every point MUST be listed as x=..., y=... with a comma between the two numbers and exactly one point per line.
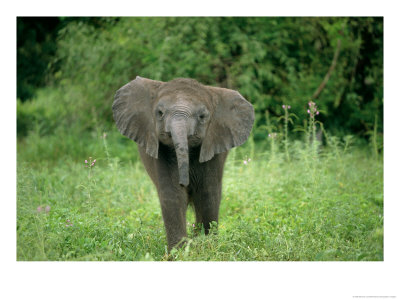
x=133, y=112
x=230, y=124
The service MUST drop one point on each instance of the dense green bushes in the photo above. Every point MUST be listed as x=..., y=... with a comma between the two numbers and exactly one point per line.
x=271, y=61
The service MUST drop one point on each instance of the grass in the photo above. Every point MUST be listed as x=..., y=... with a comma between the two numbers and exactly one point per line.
x=324, y=204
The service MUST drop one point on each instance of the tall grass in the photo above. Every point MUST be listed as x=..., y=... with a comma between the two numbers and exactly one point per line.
x=283, y=199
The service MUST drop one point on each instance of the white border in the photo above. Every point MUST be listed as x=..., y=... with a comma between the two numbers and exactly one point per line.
x=197, y=280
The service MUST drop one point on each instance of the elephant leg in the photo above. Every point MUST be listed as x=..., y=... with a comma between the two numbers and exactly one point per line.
x=173, y=200
x=206, y=206
x=207, y=195
x=174, y=215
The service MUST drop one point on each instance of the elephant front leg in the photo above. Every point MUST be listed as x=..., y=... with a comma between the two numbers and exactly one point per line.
x=173, y=197
x=206, y=201
x=207, y=195
x=206, y=205
x=174, y=215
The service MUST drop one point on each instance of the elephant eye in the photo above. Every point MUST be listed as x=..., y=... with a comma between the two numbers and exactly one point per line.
x=203, y=116
x=160, y=113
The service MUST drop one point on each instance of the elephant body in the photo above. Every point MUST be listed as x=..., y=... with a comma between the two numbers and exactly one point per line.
x=204, y=190
x=184, y=131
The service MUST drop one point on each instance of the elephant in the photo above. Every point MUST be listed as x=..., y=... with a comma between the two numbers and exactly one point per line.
x=184, y=131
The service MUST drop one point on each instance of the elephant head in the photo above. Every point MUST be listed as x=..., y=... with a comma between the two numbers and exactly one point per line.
x=183, y=114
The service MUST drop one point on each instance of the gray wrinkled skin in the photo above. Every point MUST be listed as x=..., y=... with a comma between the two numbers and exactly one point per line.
x=184, y=131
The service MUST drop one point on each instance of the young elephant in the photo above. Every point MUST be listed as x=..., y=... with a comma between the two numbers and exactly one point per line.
x=184, y=131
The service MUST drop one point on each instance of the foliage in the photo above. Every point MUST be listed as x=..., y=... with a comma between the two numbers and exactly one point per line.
x=35, y=50
x=271, y=61
x=328, y=207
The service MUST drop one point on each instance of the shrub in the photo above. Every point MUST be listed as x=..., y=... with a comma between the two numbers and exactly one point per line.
x=271, y=61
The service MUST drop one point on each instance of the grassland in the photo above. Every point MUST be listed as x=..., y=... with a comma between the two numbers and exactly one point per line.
x=299, y=204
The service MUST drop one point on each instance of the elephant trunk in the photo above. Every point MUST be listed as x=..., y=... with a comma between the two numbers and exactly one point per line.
x=180, y=140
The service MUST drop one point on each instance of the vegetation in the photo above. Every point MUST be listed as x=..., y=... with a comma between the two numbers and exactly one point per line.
x=309, y=203
x=271, y=61
x=308, y=185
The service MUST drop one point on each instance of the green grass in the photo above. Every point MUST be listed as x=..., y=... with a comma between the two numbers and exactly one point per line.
x=319, y=205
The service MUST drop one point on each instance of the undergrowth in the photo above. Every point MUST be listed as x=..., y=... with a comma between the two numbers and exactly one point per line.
x=283, y=200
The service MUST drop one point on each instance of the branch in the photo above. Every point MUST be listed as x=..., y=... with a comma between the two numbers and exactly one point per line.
x=328, y=75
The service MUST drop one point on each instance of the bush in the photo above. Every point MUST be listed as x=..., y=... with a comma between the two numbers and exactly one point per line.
x=271, y=61
x=47, y=111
